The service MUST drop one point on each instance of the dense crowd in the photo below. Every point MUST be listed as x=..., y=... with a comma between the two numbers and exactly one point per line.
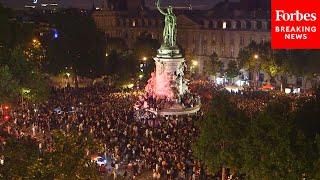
x=158, y=144
x=161, y=145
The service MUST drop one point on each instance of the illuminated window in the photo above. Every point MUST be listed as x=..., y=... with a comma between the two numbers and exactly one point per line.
x=133, y=23
x=224, y=25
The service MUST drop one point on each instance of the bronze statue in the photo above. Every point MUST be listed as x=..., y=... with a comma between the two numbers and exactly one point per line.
x=170, y=26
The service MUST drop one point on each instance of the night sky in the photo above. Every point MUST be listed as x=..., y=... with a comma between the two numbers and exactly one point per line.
x=196, y=4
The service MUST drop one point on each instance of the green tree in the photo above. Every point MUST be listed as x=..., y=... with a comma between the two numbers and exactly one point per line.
x=23, y=160
x=122, y=66
x=280, y=142
x=26, y=72
x=9, y=87
x=253, y=56
x=279, y=67
x=315, y=174
x=69, y=160
x=12, y=33
x=19, y=155
x=145, y=46
x=116, y=44
x=35, y=55
x=306, y=135
x=221, y=131
x=213, y=65
x=144, y=49
x=266, y=149
x=80, y=45
x=271, y=68
x=232, y=70
x=5, y=28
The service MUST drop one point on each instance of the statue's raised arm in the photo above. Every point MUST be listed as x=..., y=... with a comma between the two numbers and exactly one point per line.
x=159, y=7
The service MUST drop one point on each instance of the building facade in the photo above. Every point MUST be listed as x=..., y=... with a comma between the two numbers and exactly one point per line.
x=199, y=35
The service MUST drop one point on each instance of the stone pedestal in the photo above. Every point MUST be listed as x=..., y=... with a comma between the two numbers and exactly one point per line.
x=169, y=76
x=168, y=80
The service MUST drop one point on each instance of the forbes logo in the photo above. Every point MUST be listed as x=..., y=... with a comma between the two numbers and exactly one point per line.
x=281, y=15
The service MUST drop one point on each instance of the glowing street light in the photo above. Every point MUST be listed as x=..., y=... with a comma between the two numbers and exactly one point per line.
x=24, y=93
x=2, y=160
x=256, y=56
x=107, y=54
x=36, y=43
x=68, y=74
x=194, y=63
x=144, y=58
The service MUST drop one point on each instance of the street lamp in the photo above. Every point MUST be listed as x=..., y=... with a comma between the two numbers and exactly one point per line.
x=194, y=63
x=255, y=72
x=143, y=64
x=2, y=160
x=24, y=93
x=68, y=75
x=107, y=54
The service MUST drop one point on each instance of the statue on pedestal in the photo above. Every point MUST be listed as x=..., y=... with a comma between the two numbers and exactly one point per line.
x=170, y=26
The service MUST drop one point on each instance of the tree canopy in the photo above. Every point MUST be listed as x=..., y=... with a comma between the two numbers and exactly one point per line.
x=279, y=64
x=79, y=44
x=280, y=142
x=24, y=160
x=213, y=65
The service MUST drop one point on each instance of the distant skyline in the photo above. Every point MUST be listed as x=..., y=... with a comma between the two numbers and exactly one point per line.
x=86, y=4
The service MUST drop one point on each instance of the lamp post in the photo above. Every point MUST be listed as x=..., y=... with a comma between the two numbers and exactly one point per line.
x=256, y=57
x=144, y=59
x=143, y=64
x=194, y=66
x=24, y=92
x=68, y=79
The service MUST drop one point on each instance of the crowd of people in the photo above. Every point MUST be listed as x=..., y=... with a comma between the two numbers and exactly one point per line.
x=158, y=145
x=251, y=101
x=161, y=145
